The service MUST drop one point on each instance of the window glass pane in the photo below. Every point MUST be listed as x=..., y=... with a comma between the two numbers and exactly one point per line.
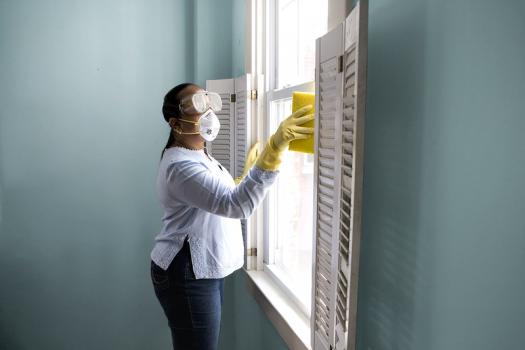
x=299, y=23
x=291, y=215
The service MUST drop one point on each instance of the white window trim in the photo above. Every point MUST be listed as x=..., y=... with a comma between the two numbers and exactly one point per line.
x=274, y=272
x=275, y=299
x=289, y=321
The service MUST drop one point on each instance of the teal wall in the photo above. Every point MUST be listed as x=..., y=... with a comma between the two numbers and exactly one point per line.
x=212, y=40
x=238, y=37
x=81, y=130
x=80, y=139
x=444, y=231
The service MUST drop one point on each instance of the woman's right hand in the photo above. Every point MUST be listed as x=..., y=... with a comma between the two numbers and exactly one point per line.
x=290, y=129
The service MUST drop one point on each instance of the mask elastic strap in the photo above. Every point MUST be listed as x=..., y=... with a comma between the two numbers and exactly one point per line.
x=188, y=133
x=189, y=121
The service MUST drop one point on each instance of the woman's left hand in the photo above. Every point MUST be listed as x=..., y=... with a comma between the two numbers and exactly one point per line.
x=251, y=158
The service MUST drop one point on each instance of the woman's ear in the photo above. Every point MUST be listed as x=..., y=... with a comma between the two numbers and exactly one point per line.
x=175, y=125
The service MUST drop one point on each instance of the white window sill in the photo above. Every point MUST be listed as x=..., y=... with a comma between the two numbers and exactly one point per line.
x=290, y=321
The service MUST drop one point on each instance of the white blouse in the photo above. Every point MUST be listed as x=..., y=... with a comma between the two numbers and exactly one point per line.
x=201, y=201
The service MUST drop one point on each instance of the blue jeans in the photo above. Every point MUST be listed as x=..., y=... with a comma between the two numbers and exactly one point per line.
x=192, y=306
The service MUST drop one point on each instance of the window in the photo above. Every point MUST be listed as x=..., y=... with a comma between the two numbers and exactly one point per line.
x=298, y=24
x=290, y=38
x=290, y=212
x=327, y=187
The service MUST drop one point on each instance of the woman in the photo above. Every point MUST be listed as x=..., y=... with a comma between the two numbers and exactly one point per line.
x=201, y=241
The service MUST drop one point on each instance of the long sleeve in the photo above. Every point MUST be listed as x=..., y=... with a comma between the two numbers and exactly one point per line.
x=191, y=182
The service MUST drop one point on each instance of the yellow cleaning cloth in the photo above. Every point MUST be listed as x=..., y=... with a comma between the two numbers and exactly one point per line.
x=299, y=100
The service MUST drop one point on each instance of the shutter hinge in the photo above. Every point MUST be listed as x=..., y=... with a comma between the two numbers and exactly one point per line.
x=340, y=64
x=253, y=94
x=233, y=98
x=251, y=252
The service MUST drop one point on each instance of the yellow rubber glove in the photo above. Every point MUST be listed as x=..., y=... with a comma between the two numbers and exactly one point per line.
x=252, y=156
x=289, y=129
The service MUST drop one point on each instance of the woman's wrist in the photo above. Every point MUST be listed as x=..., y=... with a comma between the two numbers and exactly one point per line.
x=270, y=158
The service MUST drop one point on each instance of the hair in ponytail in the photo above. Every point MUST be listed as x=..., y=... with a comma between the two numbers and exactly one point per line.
x=170, y=108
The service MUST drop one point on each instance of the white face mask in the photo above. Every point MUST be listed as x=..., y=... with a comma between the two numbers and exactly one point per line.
x=209, y=126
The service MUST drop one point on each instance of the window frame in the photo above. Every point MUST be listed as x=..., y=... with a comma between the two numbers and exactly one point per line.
x=268, y=238
x=275, y=299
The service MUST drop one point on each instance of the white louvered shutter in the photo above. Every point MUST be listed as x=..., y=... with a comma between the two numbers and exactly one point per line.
x=242, y=121
x=235, y=138
x=328, y=86
x=223, y=147
x=341, y=94
x=351, y=172
x=243, y=142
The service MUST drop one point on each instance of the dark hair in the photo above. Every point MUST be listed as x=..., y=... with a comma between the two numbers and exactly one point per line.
x=170, y=108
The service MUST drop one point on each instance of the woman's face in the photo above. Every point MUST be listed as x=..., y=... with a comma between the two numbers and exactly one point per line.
x=194, y=141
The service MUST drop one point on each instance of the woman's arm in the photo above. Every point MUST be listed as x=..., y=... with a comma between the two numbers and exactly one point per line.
x=192, y=183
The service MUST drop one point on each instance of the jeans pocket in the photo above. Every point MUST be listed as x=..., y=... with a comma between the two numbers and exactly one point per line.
x=205, y=305
x=159, y=277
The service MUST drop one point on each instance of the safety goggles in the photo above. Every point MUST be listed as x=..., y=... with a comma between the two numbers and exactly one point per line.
x=201, y=102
